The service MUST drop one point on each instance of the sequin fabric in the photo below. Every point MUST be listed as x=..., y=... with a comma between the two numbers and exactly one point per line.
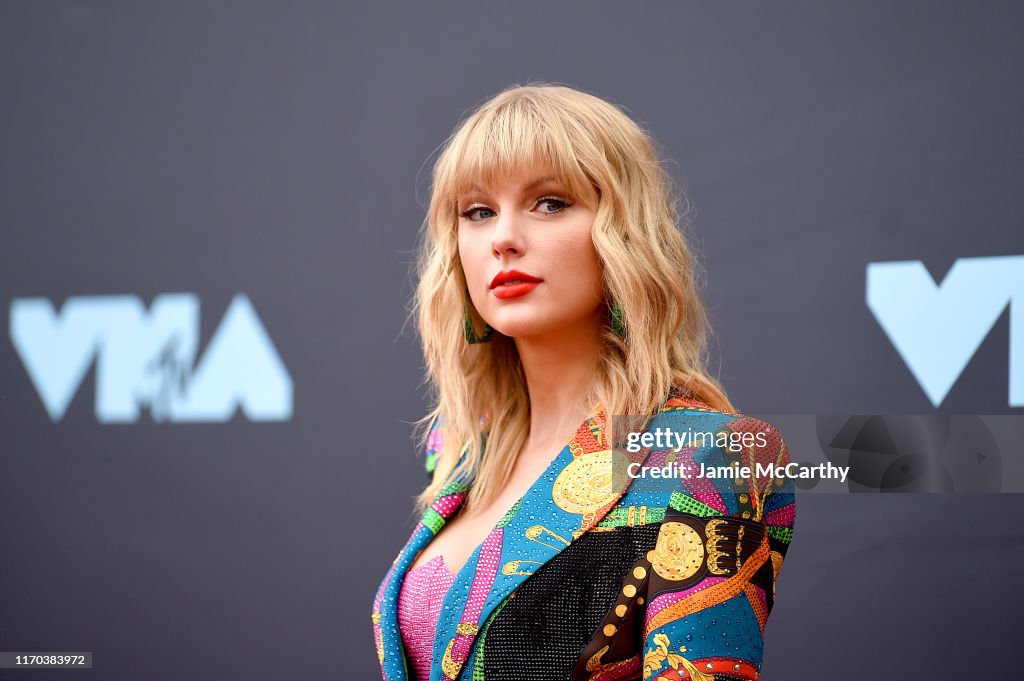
x=653, y=580
x=419, y=607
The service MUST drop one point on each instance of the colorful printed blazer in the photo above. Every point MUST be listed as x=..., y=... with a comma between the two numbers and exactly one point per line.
x=582, y=579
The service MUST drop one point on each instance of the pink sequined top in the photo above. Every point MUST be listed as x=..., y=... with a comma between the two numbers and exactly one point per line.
x=419, y=608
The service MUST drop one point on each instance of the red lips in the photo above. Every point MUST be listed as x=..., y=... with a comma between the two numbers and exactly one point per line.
x=513, y=275
x=513, y=284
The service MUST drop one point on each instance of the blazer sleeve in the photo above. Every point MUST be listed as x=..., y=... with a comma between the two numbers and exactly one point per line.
x=712, y=575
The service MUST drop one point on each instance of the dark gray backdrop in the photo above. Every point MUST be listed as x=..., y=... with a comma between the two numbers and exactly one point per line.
x=281, y=150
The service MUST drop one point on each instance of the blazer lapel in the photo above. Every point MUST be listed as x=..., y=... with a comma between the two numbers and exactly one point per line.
x=390, y=650
x=575, y=492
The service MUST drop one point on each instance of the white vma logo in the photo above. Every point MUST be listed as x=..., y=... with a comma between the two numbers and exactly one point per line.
x=149, y=358
x=938, y=328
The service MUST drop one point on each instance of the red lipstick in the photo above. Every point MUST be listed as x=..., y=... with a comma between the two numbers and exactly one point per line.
x=513, y=284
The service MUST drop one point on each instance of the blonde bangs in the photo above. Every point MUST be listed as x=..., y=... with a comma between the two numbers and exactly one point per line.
x=510, y=139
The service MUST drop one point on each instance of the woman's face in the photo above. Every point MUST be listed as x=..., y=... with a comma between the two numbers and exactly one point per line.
x=528, y=257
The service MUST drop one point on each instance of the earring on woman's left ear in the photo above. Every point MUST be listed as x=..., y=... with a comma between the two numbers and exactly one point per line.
x=467, y=325
x=618, y=320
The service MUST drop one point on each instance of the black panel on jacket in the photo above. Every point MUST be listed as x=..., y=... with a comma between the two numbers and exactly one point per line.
x=540, y=632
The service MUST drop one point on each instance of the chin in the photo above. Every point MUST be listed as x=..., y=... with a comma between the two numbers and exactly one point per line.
x=516, y=322
x=525, y=330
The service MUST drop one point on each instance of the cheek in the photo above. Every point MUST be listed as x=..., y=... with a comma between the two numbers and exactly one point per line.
x=469, y=254
x=586, y=257
x=578, y=261
x=591, y=271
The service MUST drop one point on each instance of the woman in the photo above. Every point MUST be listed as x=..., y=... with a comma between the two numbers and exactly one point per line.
x=556, y=290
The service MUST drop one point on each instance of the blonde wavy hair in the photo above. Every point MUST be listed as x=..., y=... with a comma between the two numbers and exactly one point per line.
x=607, y=162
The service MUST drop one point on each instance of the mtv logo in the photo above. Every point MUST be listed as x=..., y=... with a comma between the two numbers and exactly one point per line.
x=148, y=358
x=937, y=328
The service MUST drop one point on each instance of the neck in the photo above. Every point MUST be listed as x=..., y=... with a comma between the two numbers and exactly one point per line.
x=560, y=367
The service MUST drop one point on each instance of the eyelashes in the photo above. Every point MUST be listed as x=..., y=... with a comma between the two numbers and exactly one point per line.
x=562, y=205
x=469, y=211
x=554, y=199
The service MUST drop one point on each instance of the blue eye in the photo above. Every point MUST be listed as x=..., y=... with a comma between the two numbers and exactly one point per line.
x=552, y=199
x=560, y=205
x=466, y=213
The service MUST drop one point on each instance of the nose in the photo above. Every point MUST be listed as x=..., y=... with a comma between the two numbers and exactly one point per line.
x=508, y=236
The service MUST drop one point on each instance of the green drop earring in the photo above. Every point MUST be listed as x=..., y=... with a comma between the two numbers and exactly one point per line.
x=467, y=325
x=618, y=321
